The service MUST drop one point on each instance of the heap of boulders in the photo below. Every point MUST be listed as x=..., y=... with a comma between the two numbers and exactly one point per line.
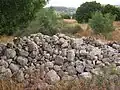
x=58, y=57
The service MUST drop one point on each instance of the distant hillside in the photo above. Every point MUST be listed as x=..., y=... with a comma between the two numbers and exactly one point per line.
x=67, y=10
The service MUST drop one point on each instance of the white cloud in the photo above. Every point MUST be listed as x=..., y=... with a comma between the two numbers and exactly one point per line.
x=76, y=3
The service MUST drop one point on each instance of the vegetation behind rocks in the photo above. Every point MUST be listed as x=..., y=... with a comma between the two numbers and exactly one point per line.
x=102, y=24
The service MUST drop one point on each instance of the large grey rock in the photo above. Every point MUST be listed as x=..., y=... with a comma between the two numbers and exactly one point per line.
x=52, y=77
x=14, y=67
x=22, y=60
x=71, y=55
x=10, y=53
x=59, y=60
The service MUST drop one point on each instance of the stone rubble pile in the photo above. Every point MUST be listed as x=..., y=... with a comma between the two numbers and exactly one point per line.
x=57, y=57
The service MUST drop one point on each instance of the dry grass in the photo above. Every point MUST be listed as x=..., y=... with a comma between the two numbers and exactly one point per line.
x=109, y=80
x=70, y=21
x=10, y=85
x=6, y=39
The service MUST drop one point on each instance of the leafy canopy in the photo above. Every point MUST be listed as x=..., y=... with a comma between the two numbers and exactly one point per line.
x=84, y=12
x=16, y=14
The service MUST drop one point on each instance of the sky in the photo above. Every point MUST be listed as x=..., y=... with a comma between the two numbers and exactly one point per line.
x=76, y=3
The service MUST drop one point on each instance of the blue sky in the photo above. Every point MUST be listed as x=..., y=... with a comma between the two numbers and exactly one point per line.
x=76, y=3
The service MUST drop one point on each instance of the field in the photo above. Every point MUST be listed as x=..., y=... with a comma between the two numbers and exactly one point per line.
x=87, y=31
x=72, y=28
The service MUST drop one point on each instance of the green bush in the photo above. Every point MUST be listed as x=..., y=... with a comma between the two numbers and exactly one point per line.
x=84, y=12
x=65, y=16
x=47, y=22
x=16, y=14
x=102, y=23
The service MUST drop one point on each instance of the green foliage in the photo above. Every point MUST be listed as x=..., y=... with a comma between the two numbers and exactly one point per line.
x=84, y=12
x=46, y=22
x=16, y=14
x=102, y=23
x=65, y=16
x=113, y=10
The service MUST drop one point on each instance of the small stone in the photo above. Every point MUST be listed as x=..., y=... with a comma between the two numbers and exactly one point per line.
x=3, y=63
x=61, y=40
x=55, y=38
x=49, y=64
x=10, y=53
x=83, y=52
x=57, y=68
x=14, y=67
x=51, y=77
x=97, y=71
x=19, y=76
x=71, y=70
x=67, y=78
x=23, y=53
x=22, y=60
x=9, y=61
x=2, y=69
x=80, y=68
x=71, y=55
x=8, y=73
x=64, y=52
x=76, y=43
x=86, y=75
x=59, y=60
x=65, y=45
x=32, y=46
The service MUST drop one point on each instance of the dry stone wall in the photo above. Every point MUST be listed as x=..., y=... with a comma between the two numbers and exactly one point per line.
x=57, y=57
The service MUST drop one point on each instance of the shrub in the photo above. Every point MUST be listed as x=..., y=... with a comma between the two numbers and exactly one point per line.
x=84, y=12
x=102, y=23
x=46, y=22
x=65, y=16
x=15, y=14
